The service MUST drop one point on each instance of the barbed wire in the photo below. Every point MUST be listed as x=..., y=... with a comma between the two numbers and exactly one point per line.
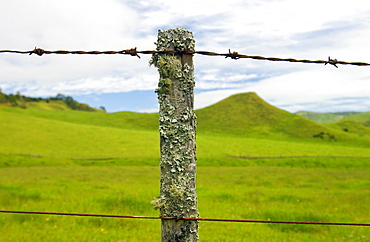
x=233, y=55
x=182, y=218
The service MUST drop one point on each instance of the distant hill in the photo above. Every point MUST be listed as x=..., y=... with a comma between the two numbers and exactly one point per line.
x=323, y=118
x=247, y=114
x=24, y=132
x=362, y=118
x=59, y=102
x=241, y=115
x=350, y=126
x=228, y=128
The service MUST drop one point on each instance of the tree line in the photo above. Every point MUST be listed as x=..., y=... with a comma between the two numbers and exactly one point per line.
x=19, y=100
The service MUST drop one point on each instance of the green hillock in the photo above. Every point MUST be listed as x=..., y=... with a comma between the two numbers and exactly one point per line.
x=363, y=118
x=37, y=137
x=38, y=105
x=247, y=114
x=351, y=126
x=59, y=102
x=242, y=114
x=122, y=120
x=241, y=125
x=323, y=118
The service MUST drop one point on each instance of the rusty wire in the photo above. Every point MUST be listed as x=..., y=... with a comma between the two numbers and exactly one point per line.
x=182, y=218
x=233, y=55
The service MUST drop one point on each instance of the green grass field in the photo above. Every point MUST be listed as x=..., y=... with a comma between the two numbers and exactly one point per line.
x=267, y=192
x=82, y=162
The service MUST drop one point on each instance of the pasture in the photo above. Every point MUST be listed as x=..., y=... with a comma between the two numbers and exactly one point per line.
x=77, y=162
x=255, y=192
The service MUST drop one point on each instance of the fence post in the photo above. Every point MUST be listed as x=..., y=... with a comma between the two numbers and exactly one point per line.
x=177, y=128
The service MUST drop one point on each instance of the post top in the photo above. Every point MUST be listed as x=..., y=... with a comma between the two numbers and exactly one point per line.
x=178, y=38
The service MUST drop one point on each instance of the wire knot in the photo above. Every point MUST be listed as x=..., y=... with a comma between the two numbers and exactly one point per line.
x=132, y=52
x=332, y=62
x=233, y=55
x=38, y=51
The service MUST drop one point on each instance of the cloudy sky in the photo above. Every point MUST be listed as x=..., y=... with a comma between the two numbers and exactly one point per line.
x=305, y=29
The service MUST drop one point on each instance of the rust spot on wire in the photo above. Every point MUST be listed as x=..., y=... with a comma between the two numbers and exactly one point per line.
x=132, y=52
x=37, y=51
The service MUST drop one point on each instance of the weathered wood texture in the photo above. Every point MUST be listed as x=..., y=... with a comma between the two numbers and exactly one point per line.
x=177, y=128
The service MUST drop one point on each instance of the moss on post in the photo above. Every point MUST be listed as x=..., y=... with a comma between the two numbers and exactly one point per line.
x=177, y=128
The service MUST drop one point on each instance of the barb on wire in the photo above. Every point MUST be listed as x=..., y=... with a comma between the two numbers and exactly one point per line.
x=37, y=51
x=132, y=52
x=182, y=218
x=332, y=62
x=233, y=55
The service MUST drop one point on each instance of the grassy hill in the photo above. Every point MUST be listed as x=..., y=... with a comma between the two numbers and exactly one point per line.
x=323, y=118
x=363, y=118
x=351, y=126
x=242, y=114
x=124, y=120
x=241, y=125
x=247, y=114
x=30, y=140
x=59, y=102
x=351, y=122
x=39, y=105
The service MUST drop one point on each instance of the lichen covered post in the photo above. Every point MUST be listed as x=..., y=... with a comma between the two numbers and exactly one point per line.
x=177, y=128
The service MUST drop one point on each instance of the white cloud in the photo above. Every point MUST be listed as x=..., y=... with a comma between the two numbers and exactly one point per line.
x=307, y=29
x=149, y=110
x=65, y=24
x=322, y=90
